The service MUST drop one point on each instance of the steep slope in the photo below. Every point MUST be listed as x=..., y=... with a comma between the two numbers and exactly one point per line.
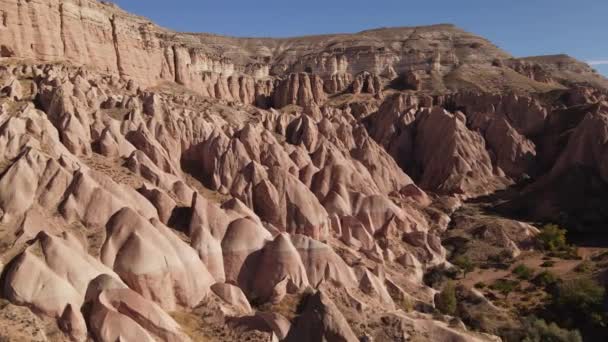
x=438, y=58
x=171, y=186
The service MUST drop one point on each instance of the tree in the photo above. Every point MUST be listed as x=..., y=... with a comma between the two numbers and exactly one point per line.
x=545, y=279
x=446, y=300
x=552, y=238
x=580, y=301
x=537, y=330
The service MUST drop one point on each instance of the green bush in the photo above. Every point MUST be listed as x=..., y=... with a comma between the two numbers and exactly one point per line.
x=569, y=253
x=480, y=285
x=584, y=267
x=537, y=330
x=580, y=302
x=446, y=301
x=545, y=279
x=405, y=304
x=548, y=263
x=600, y=257
x=504, y=286
x=439, y=275
x=552, y=238
x=523, y=272
x=464, y=263
x=501, y=260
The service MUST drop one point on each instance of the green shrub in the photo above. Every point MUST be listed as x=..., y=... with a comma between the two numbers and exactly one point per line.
x=501, y=260
x=480, y=285
x=570, y=253
x=537, y=330
x=580, y=302
x=552, y=238
x=404, y=303
x=584, y=267
x=548, y=263
x=523, y=272
x=545, y=279
x=446, y=301
x=600, y=257
x=439, y=275
x=504, y=286
x=464, y=263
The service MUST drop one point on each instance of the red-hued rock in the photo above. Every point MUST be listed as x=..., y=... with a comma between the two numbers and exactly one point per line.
x=145, y=171
x=321, y=320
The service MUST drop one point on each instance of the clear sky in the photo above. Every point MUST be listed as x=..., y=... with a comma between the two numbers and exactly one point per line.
x=521, y=27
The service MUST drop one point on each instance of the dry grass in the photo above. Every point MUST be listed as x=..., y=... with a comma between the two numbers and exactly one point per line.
x=343, y=99
x=288, y=307
x=494, y=79
x=18, y=323
x=113, y=169
x=13, y=107
x=192, y=325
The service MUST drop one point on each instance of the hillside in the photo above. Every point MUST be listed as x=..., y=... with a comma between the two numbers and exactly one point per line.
x=396, y=184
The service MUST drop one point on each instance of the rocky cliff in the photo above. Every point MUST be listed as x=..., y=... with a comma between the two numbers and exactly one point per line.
x=167, y=186
x=102, y=36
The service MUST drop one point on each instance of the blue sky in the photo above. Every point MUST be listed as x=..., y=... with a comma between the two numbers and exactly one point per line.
x=522, y=27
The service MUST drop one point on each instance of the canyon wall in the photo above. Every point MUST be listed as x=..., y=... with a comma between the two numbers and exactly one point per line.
x=102, y=36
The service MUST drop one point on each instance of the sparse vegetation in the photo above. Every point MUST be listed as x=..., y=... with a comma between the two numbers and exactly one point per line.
x=584, y=267
x=501, y=260
x=405, y=304
x=480, y=285
x=537, y=330
x=545, y=279
x=600, y=257
x=446, y=301
x=579, y=302
x=439, y=275
x=523, y=272
x=465, y=264
x=547, y=264
x=552, y=238
x=192, y=324
x=504, y=286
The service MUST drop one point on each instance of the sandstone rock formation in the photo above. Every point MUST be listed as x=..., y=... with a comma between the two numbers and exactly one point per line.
x=321, y=321
x=165, y=186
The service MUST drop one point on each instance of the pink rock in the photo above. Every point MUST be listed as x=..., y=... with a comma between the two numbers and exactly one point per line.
x=51, y=274
x=124, y=314
x=240, y=246
x=278, y=260
x=321, y=320
x=154, y=261
x=232, y=295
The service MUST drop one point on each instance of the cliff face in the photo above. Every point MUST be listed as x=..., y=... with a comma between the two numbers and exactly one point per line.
x=86, y=33
x=102, y=36
x=144, y=171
